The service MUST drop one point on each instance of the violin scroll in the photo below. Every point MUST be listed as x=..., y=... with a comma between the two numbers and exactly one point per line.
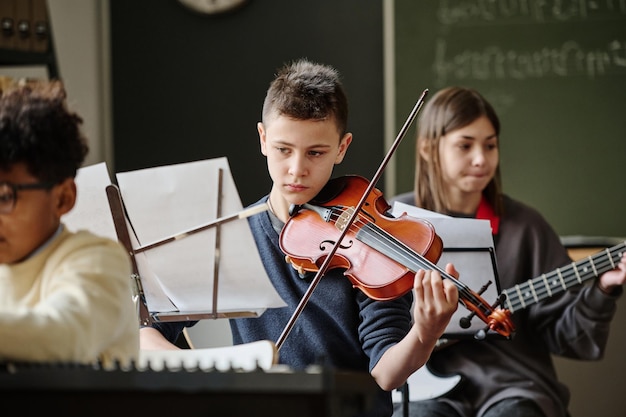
x=500, y=321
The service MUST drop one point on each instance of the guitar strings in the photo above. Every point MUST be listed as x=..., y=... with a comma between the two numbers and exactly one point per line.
x=561, y=279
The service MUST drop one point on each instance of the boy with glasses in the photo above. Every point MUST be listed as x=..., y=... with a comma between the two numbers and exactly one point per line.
x=64, y=297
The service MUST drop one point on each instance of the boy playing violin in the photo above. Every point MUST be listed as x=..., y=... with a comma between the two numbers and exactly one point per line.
x=303, y=135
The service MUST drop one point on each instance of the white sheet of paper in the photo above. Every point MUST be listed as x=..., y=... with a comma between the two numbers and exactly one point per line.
x=164, y=201
x=476, y=266
x=91, y=211
x=455, y=232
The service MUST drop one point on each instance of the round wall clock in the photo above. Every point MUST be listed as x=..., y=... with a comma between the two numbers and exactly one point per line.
x=212, y=6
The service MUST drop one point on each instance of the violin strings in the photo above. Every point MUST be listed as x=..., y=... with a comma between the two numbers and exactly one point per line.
x=393, y=245
x=398, y=248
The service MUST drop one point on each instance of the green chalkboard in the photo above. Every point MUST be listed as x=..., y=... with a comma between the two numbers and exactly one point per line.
x=555, y=72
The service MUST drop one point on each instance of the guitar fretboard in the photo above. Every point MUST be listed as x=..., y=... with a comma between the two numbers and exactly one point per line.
x=559, y=280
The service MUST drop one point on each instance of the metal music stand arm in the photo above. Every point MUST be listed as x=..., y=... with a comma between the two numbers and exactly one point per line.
x=119, y=220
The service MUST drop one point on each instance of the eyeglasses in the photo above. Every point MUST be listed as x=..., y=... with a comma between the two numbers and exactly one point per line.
x=8, y=193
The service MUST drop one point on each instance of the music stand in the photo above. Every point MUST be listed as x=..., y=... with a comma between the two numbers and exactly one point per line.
x=468, y=244
x=203, y=272
x=235, y=286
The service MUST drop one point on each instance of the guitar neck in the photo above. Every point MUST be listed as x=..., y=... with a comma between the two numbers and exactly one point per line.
x=546, y=285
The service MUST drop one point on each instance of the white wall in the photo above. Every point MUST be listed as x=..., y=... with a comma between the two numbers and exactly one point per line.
x=80, y=34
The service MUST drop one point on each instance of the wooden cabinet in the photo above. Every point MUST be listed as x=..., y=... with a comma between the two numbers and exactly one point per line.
x=26, y=35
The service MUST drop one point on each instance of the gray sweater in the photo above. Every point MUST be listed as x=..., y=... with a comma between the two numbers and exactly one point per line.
x=574, y=324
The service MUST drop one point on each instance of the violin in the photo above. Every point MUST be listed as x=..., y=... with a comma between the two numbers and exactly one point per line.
x=380, y=254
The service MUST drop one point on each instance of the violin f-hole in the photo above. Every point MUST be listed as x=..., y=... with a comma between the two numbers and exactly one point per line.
x=332, y=243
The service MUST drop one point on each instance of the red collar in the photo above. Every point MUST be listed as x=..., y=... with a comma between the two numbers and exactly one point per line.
x=485, y=212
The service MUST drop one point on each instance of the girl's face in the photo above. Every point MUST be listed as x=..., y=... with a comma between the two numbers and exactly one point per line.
x=469, y=158
x=301, y=155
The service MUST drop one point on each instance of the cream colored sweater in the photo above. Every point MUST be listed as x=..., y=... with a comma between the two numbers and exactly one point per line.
x=70, y=302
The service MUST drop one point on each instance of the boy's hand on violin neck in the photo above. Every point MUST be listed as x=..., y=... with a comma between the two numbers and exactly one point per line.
x=436, y=300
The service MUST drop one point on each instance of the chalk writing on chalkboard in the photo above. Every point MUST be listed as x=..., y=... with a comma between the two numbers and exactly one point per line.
x=520, y=58
x=568, y=58
x=527, y=11
x=555, y=70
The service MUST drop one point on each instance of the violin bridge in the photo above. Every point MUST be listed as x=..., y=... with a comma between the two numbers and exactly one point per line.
x=343, y=218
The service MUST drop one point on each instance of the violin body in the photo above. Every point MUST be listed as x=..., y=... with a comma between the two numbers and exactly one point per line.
x=310, y=234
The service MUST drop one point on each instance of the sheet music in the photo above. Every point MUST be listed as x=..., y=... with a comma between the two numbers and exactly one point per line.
x=454, y=231
x=91, y=211
x=163, y=201
x=468, y=244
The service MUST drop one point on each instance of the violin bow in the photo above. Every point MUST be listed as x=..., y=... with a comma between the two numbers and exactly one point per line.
x=324, y=267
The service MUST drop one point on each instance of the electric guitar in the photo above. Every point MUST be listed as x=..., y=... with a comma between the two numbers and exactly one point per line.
x=423, y=384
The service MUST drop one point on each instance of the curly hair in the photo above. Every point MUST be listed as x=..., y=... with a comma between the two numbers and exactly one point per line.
x=38, y=129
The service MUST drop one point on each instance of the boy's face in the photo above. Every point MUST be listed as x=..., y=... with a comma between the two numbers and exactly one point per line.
x=301, y=155
x=35, y=216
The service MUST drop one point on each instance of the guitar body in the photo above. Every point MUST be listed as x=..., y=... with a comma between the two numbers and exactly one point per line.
x=424, y=385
